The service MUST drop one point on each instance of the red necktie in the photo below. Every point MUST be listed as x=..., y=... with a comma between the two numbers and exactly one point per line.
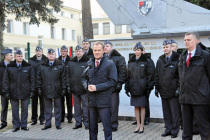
x=97, y=63
x=188, y=60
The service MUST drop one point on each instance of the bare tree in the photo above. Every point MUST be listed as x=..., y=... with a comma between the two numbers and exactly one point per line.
x=87, y=20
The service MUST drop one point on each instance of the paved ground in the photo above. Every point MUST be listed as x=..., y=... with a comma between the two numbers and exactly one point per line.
x=125, y=132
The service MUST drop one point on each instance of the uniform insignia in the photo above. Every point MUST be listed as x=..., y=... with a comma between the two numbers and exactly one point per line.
x=55, y=68
x=142, y=65
x=145, y=7
x=82, y=66
x=171, y=66
x=25, y=71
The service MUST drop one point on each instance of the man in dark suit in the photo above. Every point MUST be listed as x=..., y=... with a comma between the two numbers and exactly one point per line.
x=65, y=58
x=19, y=85
x=194, y=73
x=4, y=101
x=35, y=61
x=100, y=80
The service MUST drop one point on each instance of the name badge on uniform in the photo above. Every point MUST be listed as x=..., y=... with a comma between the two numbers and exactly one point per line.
x=55, y=68
x=171, y=66
x=82, y=66
x=142, y=65
x=25, y=71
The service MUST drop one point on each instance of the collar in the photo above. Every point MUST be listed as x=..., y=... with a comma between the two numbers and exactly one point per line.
x=18, y=64
x=168, y=56
x=5, y=63
x=51, y=62
x=192, y=52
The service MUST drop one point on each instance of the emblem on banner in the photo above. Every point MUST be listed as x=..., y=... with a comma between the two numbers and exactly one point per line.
x=145, y=7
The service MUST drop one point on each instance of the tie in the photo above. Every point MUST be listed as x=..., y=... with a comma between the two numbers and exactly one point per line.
x=167, y=59
x=85, y=52
x=188, y=60
x=63, y=61
x=97, y=63
x=50, y=64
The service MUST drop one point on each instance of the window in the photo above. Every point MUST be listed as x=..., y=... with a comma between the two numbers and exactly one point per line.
x=118, y=29
x=62, y=13
x=106, y=28
x=9, y=26
x=95, y=28
x=40, y=41
x=52, y=30
x=128, y=29
x=73, y=35
x=25, y=28
x=72, y=16
x=63, y=34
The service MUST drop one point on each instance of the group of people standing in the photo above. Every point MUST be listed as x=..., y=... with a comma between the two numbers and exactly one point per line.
x=95, y=77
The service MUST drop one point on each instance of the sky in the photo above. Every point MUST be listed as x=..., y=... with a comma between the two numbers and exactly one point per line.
x=96, y=10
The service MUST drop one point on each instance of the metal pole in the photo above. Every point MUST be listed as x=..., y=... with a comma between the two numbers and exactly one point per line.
x=28, y=48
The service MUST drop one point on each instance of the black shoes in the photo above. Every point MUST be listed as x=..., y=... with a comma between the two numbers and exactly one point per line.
x=137, y=131
x=86, y=128
x=15, y=130
x=25, y=128
x=196, y=133
x=46, y=127
x=173, y=136
x=58, y=127
x=77, y=127
x=165, y=134
x=41, y=123
x=33, y=123
x=2, y=126
x=134, y=123
x=70, y=121
x=114, y=129
x=140, y=132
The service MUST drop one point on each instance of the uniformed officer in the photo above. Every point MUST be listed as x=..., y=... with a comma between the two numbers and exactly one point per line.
x=76, y=67
x=65, y=58
x=100, y=80
x=19, y=84
x=35, y=61
x=120, y=64
x=51, y=84
x=4, y=101
x=167, y=84
x=174, y=45
x=86, y=47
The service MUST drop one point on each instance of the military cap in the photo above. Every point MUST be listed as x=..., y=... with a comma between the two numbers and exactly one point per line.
x=107, y=42
x=138, y=46
x=18, y=52
x=51, y=50
x=38, y=48
x=166, y=42
x=85, y=40
x=172, y=41
x=6, y=51
x=64, y=47
x=78, y=47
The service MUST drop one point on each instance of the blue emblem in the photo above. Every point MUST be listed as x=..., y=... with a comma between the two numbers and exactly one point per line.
x=145, y=7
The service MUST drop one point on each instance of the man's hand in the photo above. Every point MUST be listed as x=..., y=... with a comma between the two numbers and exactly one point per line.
x=7, y=96
x=127, y=93
x=63, y=93
x=39, y=91
x=177, y=92
x=119, y=87
x=92, y=88
x=156, y=93
x=69, y=90
x=31, y=95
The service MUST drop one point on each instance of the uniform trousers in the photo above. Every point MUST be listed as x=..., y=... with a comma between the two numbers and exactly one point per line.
x=4, y=110
x=115, y=109
x=68, y=101
x=171, y=115
x=48, y=111
x=34, y=106
x=16, y=121
x=81, y=109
